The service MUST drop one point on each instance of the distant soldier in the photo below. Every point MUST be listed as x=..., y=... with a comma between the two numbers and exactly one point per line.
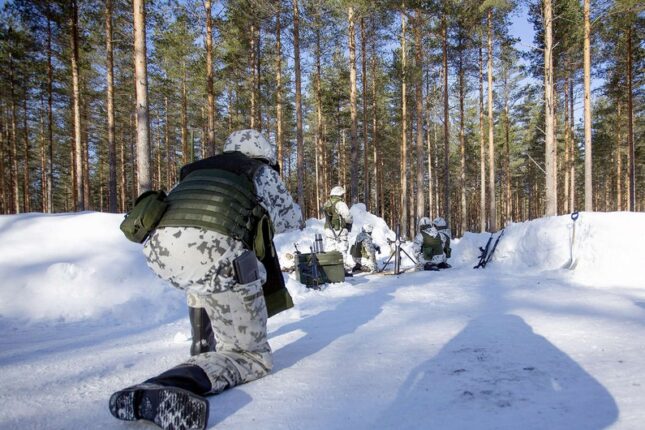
x=338, y=224
x=445, y=233
x=363, y=250
x=429, y=247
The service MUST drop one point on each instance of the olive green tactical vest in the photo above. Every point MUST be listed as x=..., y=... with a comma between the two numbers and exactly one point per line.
x=431, y=245
x=333, y=219
x=218, y=194
x=217, y=200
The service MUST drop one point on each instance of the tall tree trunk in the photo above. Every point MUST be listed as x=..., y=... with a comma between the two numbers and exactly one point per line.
x=76, y=114
x=420, y=212
x=257, y=76
x=619, y=158
x=630, y=123
x=300, y=157
x=587, y=108
x=377, y=199
x=508, y=201
x=572, y=155
x=50, y=114
x=253, y=70
x=278, y=92
x=169, y=159
x=462, y=144
x=429, y=144
x=446, y=124
x=492, y=215
x=209, y=78
x=26, y=177
x=482, y=148
x=320, y=183
x=44, y=196
x=112, y=193
x=141, y=76
x=549, y=140
x=404, y=130
x=567, y=143
x=366, y=167
x=85, y=156
x=352, y=103
x=184, y=118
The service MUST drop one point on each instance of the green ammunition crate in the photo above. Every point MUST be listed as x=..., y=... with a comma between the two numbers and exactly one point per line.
x=330, y=268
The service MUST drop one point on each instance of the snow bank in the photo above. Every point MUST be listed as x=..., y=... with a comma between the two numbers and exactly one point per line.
x=72, y=267
x=608, y=248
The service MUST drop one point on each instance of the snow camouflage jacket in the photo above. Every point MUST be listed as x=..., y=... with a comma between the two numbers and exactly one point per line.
x=256, y=185
x=364, y=246
x=337, y=214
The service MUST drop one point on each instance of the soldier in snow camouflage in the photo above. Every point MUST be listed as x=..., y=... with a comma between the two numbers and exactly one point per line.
x=197, y=254
x=364, y=250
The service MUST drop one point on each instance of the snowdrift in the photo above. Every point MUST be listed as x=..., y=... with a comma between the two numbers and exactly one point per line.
x=73, y=267
x=607, y=250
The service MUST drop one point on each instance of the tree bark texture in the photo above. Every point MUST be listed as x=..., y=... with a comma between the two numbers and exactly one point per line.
x=76, y=110
x=587, y=108
x=141, y=76
x=300, y=157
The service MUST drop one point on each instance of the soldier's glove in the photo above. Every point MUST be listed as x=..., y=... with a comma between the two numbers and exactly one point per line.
x=348, y=226
x=377, y=249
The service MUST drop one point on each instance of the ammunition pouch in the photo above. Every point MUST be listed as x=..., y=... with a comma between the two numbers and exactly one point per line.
x=145, y=216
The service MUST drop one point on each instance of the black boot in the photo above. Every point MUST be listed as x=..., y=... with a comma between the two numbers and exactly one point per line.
x=172, y=400
x=201, y=330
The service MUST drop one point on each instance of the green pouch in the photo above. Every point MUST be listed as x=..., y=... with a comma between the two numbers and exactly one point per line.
x=144, y=216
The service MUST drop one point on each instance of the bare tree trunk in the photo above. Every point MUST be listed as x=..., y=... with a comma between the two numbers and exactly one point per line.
x=630, y=124
x=549, y=140
x=572, y=155
x=353, y=144
x=278, y=93
x=587, y=108
x=76, y=114
x=420, y=212
x=462, y=146
x=112, y=200
x=141, y=76
x=366, y=167
x=184, y=118
x=619, y=158
x=446, y=124
x=26, y=179
x=300, y=158
x=429, y=144
x=258, y=77
x=492, y=216
x=209, y=78
x=567, y=143
x=50, y=120
x=482, y=148
x=377, y=198
x=85, y=143
x=404, y=131
x=253, y=70
x=44, y=196
x=319, y=118
x=169, y=159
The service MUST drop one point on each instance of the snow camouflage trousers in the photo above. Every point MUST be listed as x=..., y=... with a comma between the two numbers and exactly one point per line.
x=199, y=261
x=340, y=243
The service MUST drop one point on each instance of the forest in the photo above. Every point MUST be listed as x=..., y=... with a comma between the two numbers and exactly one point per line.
x=418, y=108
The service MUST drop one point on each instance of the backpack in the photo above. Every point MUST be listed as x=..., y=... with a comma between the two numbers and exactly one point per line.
x=145, y=215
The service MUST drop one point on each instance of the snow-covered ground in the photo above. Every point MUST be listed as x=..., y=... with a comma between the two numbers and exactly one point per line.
x=523, y=343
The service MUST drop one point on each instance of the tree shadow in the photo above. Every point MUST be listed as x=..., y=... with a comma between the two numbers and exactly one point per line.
x=499, y=374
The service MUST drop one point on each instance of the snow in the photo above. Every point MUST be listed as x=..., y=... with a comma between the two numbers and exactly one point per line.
x=525, y=343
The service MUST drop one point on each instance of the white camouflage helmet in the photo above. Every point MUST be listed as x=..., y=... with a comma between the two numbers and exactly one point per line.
x=338, y=190
x=439, y=223
x=424, y=221
x=368, y=228
x=251, y=143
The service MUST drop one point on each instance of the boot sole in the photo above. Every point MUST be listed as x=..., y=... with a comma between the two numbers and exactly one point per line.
x=170, y=408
